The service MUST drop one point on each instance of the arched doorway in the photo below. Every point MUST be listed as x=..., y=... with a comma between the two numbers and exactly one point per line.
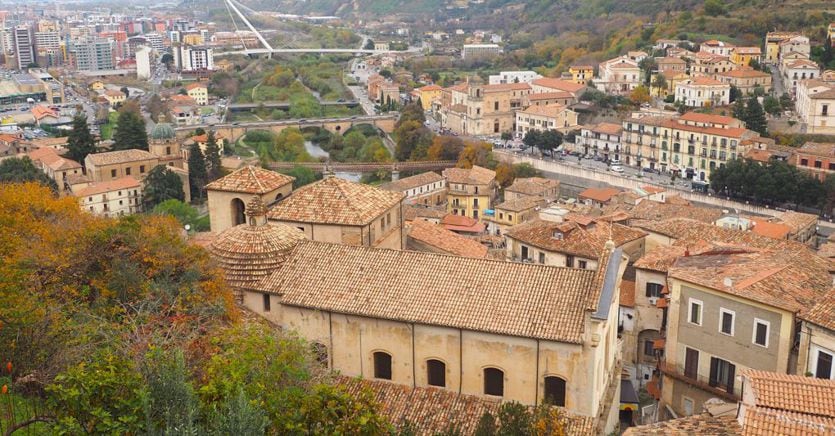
x=238, y=209
x=555, y=391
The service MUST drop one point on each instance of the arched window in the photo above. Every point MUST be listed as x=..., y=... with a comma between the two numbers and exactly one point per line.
x=382, y=365
x=555, y=391
x=435, y=373
x=279, y=196
x=238, y=209
x=493, y=382
x=320, y=353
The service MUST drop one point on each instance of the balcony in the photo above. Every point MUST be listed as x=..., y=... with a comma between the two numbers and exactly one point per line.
x=701, y=381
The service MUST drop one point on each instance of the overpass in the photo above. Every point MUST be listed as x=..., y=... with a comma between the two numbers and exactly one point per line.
x=365, y=167
x=285, y=105
x=233, y=131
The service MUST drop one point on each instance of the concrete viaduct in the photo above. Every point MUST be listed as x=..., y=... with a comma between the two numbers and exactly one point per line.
x=233, y=131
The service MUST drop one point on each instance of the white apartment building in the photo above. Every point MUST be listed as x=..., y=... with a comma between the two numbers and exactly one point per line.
x=715, y=47
x=815, y=104
x=619, y=75
x=703, y=92
x=798, y=70
x=113, y=198
x=47, y=40
x=193, y=58
x=143, y=63
x=601, y=139
x=513, y=77
x=547, y=117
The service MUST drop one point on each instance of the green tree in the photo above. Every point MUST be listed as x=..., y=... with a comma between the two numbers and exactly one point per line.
x=170, y=404
x=197, y=174
x=738, y=109
x=786, y=102
x=413, y=140
x=771, y=105
x=213, y=154
x=755, y=116
x=303, y=175
x=238, y=416
x=532, y=138
x=486, y=425
x=80, y=141
x=21, y=170
x=161, y=184
x=184, y=213
x=735, y=94
x=289, y=147
x=525, y=170
x=714, y=7
x=130, y=129
x=659, y=82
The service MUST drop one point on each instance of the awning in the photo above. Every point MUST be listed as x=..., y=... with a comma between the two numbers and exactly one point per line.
x=628, y=396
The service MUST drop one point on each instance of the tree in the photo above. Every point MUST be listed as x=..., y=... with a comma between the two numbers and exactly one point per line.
x=161, y=184
x=504, y=175
x=170, y=404
x=130, y=129
x=738, y=109
x=755, y=116
x=476, y=153
x=506, y=136
x=213, y=154
x=525, y=170
x=532, y=138
x=827, y=56
x=771, y=105
x=714, y=7
x=659, y=82
x=197, y=173
x=786, y=102
x=167, y=59
x=445, y=148
x=413, y=140
x=369, y=44
x=80, y=142
x=186, y=214
x=303, y=175
x=640, y=95
x=21, y=170
x=125, y=91
x=289, y=147
x=550, y=140
x=155, y=107
x=735, y=94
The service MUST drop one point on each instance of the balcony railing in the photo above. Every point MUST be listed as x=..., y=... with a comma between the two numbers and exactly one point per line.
x=701, y=381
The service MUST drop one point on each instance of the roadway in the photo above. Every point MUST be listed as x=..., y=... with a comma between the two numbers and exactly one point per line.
x=283, y=105
x=357, y=119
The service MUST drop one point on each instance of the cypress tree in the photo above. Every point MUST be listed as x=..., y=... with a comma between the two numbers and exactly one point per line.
x=755, y=117
x=197, y=175
x=130, y=130
x=80, y=142
x=212, y=156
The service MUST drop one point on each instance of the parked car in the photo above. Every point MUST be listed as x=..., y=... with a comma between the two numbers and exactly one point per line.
x=649, y=170
x=616, y=168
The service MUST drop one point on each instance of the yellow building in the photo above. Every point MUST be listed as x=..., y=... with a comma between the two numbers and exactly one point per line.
x=193, y=39
x=743, y=56
x=471, y=191
x=427, y=94
x=581, y=73
x=114, y=97
x=97, y=85
x=198, y=92
x=772, y=44
x=512, y=213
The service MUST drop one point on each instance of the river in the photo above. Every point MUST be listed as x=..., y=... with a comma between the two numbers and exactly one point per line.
x=317, y=152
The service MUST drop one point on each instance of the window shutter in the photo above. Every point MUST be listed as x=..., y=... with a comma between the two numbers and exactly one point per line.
x=714, y=370
x=731, y=377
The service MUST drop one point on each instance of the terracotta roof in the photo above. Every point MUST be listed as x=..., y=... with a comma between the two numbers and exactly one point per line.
x=435, y=289
x=195, y=85
x=521, y=204
x=250, y=180
x=571, y=238
x=415, y=211
x=771, y=230
x=41, y=112
x=653, y=210
x=650, y=189
x=558, y=84
x=474, y=176
x=127, y=182
x=429, y=88
x=670, y=60
x=803, y=63
x=607, y=128
x=538, y=186
x=550, y=95
x=792, y=393
x=627, y=293
x=335, y=201
x=601, y=195
x=205, y=137
x=797, y=220
x=703, y=424
x=660, y=258
x=748, y=50
x=430, y=411
x=250, y=252
x=703, y=81
x=744, y=73
x=449, y=242
x=461, y=223
x=697, y=117
x=821, y=149
x=412, y=182
x=119, y=156
x=779, y=278
x=823, y=313
x=49, y=157
x=548, y=110
x=763, y=421
x=114, y=93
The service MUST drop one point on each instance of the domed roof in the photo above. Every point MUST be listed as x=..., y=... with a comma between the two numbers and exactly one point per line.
x=163, y=131
x=251, y=251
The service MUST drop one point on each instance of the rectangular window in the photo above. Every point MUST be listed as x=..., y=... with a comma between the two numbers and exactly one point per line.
x=691, y=363
x=541, y=257
x=112, y=173
x=823, y=367
x=694, y=312
x=141, y=169
x=569, y=261
x=722, y=374
x=760, y=334
x=654, y=290
x=266, y=302
x=582, y=264
x=726, y=321
x=648, y=348
x=127, y=171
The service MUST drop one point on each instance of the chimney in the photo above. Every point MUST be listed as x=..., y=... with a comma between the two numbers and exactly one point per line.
x=728, y=282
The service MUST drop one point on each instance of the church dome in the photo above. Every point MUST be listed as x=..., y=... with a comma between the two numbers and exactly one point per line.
x=251, y=251
x=162, y=132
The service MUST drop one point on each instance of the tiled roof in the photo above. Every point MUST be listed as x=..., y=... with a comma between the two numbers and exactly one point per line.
x=429, y=88
x=533, y=186
x=249, y=252
x=655, y=211
x=119, y=156
x=548, y=110
x=779, y=278
x=473, y=176
x=521, y=204
x=771, y=230
x=127, y=182
x=670, y=123
x=660, y=258
x=599, y=194
x=449, y=242
x=763, y=421
x=40, y=112
x=703, y=424
x=797, y=220
x=550, y=95
x=792, y=393
x=823, y=313
x=251, y=180
x=335, y=201
x=474, y=294
x=205, y=137
x=195, y=85
x=822, y=149
x=570, y=238
x=114, y=93
x=431, y=411
x=744, y=73
x=607, y=128
x=558, y=84
x=414, y=211
x=627, y=293
x=708, y=118
x=411, y=182
x=703, y=81
x=462, y=223
x=49, y=157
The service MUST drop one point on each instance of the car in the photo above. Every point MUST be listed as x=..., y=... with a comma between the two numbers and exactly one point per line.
x=649, y=170
x=616, y=168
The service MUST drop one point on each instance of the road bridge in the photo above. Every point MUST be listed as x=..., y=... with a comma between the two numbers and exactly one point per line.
x=284, y=105
x=233, y=131
x=364, y=167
